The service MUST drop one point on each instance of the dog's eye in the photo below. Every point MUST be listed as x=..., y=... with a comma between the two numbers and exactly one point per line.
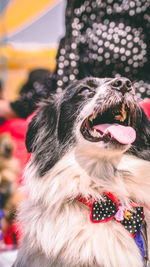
x=85, y=91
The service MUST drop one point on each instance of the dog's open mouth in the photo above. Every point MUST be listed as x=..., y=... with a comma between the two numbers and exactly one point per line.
x=113, y=125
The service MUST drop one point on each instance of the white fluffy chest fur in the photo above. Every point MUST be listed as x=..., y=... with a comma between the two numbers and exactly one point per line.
x=61, y=225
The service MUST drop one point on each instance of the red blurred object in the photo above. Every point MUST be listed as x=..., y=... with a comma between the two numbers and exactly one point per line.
x=12, y=235
x=17, y=128
x=146, y=107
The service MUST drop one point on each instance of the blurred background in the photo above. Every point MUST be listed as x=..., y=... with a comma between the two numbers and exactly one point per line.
x=30, y=31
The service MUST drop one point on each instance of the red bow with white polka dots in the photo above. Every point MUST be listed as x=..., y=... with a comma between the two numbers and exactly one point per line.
x=108, y=208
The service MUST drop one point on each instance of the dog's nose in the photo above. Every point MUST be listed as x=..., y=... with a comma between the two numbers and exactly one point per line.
x=121, y=84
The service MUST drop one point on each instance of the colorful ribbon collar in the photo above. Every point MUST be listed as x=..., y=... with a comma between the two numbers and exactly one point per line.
x=109, y=207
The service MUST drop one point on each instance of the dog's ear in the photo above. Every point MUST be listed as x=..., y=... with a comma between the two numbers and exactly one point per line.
x=141, y=146
x=42, y=124
x=31, y=134
x=41, y=138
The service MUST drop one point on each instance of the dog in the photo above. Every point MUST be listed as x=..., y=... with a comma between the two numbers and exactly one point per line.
x=90, y=152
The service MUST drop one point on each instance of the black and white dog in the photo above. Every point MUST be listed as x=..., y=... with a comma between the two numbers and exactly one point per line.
x=86, y=193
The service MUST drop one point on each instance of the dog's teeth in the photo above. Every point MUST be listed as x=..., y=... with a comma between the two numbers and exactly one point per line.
x=94, y=133
x=92, y=117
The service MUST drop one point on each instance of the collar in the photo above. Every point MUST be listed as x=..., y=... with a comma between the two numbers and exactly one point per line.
x=108, y=207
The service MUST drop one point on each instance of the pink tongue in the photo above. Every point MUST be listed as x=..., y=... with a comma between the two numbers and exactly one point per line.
x=123, y=134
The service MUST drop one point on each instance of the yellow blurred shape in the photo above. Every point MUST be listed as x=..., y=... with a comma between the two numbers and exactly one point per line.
x=21, y=12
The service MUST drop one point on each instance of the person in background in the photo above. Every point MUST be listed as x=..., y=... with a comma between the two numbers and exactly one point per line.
x=31, y=92
x=104, y=38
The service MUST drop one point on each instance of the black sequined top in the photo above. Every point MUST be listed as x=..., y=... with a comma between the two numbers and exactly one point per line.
x=105, y=38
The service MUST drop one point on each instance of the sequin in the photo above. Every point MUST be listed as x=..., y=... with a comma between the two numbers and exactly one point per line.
x=111, y=45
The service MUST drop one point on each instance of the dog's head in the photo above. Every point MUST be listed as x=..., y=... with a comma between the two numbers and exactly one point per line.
x=99, y=113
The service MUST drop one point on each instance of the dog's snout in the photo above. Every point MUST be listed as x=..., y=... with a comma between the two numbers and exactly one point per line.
x=123, y=85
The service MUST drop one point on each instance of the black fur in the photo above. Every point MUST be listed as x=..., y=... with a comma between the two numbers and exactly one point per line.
x=42, y=127
x=141, y=146
x=50, y=133
x=45, y=125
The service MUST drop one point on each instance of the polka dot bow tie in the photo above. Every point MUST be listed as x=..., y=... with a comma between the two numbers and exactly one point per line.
x=109, y=208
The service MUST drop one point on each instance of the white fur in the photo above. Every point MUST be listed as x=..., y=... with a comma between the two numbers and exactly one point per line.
x=59, y=226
